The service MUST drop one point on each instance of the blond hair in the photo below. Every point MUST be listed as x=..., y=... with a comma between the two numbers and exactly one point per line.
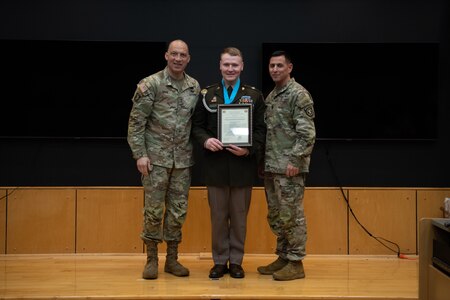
x=233, y=51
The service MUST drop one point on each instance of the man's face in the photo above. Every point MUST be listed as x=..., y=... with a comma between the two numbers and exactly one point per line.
x=177, y=57
x=280, y=70
x=231, y=67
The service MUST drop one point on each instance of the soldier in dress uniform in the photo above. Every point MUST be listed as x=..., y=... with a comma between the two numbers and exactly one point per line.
x=230, y=171
x=159, y=137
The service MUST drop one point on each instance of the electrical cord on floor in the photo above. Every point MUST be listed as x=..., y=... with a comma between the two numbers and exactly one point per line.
x=380, y=240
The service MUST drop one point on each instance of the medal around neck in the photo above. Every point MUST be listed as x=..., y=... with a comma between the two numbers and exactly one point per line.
x=229, y=99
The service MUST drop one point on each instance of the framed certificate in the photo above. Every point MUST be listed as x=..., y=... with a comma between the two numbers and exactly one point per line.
x=234, y=124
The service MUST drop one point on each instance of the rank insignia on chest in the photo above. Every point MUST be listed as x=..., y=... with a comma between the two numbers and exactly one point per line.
x=213, y=100
x=246, y=100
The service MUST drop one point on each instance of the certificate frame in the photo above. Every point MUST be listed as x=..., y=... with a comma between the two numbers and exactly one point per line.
x=234, y=124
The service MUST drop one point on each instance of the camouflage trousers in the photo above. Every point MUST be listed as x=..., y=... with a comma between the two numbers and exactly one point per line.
x=286, y=215
x=166, y=195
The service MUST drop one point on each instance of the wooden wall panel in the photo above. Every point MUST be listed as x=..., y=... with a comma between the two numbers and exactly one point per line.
x=260, y=238
x=41, y=221
x=390, y=214
x=430, y=203
x=109, y=220
x=197, y=228
x=2, y=221
x=326, y=217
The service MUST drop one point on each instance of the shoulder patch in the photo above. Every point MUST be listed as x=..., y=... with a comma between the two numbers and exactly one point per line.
x=309, y=111
x=142, y=87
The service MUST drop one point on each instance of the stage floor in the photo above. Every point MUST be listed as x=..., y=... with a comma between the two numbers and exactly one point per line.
x=102, y=276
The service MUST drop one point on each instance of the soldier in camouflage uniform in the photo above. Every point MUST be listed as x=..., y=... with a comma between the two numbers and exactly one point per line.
x=158, y=134
x=289, y=142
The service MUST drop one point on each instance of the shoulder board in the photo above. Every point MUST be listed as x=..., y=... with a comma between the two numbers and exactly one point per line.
x=249, y=87
x=212, y=86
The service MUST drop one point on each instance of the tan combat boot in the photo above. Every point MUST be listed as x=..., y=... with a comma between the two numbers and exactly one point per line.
x=293, y=270
x=151, y=267
x=273, y=266
x=172, y=265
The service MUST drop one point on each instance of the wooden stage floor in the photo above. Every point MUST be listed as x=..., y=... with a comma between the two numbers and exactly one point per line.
x=80, y=276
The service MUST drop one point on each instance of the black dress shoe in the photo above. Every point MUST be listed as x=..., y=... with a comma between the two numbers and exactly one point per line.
x=218, y=271
x=236, y=271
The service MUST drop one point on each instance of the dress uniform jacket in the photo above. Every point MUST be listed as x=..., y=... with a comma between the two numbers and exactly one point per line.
x=222, y=168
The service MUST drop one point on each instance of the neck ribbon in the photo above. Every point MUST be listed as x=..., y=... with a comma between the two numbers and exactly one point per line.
x=229, y=99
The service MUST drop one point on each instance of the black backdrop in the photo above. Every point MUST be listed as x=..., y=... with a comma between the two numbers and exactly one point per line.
x=208, y=26
x=367, y=91
x=75, y=89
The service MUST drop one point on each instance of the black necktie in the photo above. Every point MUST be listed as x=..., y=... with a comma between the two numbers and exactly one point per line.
x=230, y=90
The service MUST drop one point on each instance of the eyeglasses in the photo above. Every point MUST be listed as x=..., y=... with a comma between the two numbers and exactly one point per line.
x=180, y=54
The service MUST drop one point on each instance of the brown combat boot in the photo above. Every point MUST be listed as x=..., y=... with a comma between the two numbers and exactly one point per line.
x=151, y=267
x=273, y=266
x=293, y=270
x=172, y=265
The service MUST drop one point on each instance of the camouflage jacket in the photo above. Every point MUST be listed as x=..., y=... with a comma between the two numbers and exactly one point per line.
x=160, y=120
x=290, y=128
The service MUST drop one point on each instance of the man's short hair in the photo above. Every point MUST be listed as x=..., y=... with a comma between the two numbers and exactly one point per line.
x=282, y=53
x=233, y=51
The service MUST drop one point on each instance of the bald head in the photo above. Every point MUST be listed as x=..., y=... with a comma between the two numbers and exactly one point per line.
x=177, y=57
x=176, y=43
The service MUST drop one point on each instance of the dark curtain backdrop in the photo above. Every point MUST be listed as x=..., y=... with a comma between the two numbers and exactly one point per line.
x=209, y=26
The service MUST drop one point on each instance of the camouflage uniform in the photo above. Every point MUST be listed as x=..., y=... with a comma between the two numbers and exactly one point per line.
x=159, y=127
x=290, y=139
